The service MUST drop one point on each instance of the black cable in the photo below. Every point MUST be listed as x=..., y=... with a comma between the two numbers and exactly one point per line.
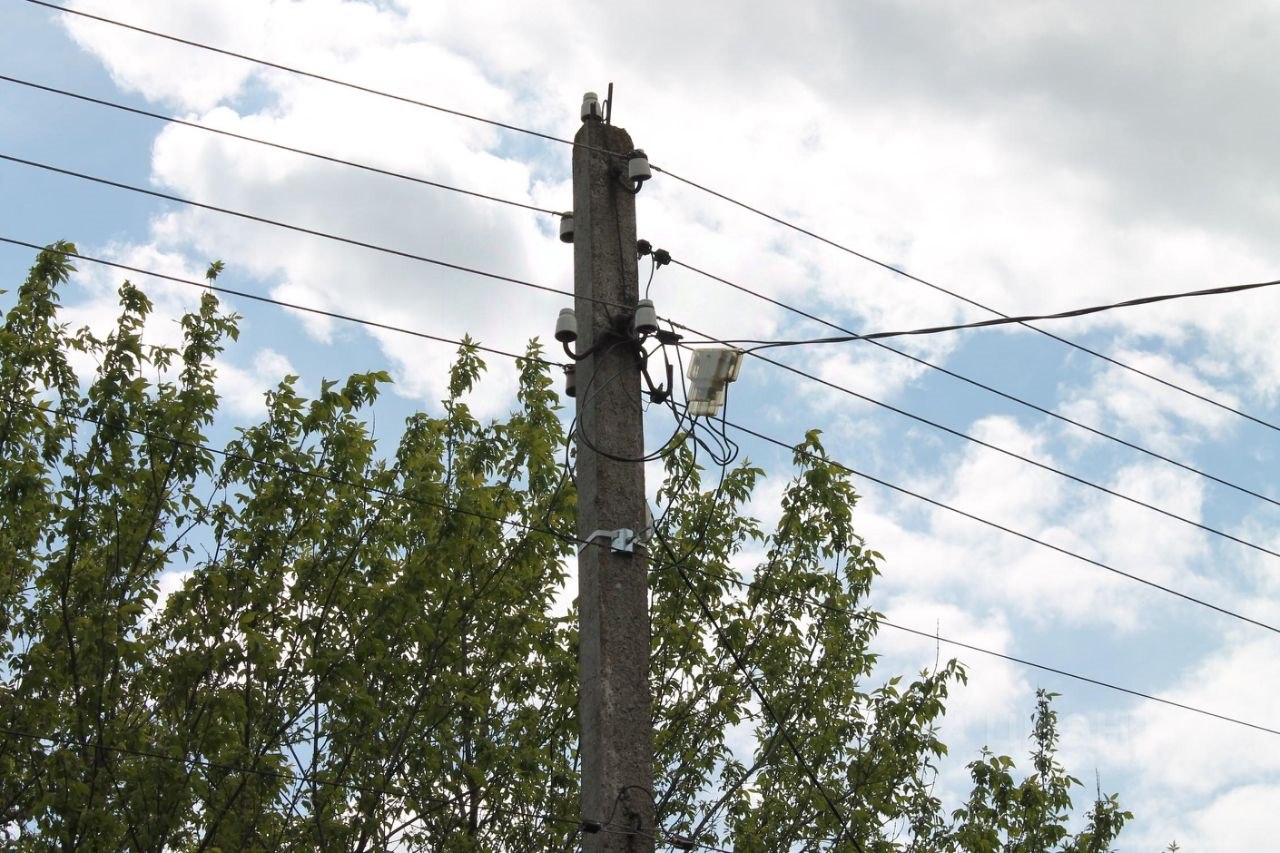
x=368, y=488
x=368, y=90
x=1011, y=454
x=896, y=271
x=1002, y=394
x=300, y=229
x=209, y=285
x=1019, y=534
x=1005, y=321
x=278, y=146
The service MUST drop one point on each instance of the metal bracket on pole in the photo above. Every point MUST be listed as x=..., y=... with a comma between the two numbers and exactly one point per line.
x=621, y=541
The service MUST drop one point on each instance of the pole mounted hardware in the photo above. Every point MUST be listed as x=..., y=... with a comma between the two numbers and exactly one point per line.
x=621, y=541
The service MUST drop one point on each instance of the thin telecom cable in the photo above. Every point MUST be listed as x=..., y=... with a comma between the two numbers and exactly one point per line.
x=279, y=146
x=312, y=232
x=890, y=268
x=1011, y=454
x=1004, y=395
x=574, y=541
x=277, y=302
x=1019, y=534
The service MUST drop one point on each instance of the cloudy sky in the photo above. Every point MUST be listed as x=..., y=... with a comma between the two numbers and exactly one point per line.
x=1032, y=157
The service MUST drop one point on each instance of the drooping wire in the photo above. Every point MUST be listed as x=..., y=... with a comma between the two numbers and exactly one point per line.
x=1005, y=321
x=975, y=383
x=279, y=146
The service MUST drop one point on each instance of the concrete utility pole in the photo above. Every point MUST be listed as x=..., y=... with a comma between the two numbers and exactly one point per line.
x=615, y=705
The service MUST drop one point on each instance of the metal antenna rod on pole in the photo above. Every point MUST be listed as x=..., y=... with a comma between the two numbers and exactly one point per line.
x=615, y=704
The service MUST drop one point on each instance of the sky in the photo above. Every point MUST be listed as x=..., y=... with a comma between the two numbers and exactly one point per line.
x=1033, y=157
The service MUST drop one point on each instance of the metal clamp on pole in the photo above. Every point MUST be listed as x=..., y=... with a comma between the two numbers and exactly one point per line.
x=621, y=541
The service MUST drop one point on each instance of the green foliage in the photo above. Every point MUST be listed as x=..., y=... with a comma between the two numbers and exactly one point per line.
x=365, y=650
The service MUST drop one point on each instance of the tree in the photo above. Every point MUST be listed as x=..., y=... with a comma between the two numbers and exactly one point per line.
x=366, y=649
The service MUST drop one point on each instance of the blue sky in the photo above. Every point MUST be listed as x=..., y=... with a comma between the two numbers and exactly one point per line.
x=1035, y=157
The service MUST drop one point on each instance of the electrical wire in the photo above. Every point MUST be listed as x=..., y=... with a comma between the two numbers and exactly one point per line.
x=575, y=541
x=896, y=271
x=1009, y=530
x=1002, y=394
x=209, y=285
x=1006, y=452
x=302, y=230
x=1005, y=321
x=368, y=90
x=674, y=176
x=278, y=146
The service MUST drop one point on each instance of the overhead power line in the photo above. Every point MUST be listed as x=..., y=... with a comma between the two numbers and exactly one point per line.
x=207, y=285
x=896, y=271
x=279, y=146
x=295, y=228
x=674, y=176
x=1044, y=466
x=521, y=282
x=1009, y=530
x=266, y=63
x=576, y=542
x=938, y=638
x=975, y=383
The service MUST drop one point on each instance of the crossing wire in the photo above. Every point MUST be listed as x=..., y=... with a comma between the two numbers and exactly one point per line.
x=872, y=339
x=674, y=176
x=766, y=359
x=575, y=541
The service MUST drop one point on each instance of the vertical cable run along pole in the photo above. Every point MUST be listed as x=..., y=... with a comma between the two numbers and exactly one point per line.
x=615, y=704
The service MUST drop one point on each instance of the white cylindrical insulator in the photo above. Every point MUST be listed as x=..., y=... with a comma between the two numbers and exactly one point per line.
x=638, y=167
x=566, y=326
x=571, y=380
x=591, y=106
x=566, y=227
x=646, y=319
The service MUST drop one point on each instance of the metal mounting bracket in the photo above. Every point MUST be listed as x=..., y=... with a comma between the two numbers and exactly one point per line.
x=621, y=541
